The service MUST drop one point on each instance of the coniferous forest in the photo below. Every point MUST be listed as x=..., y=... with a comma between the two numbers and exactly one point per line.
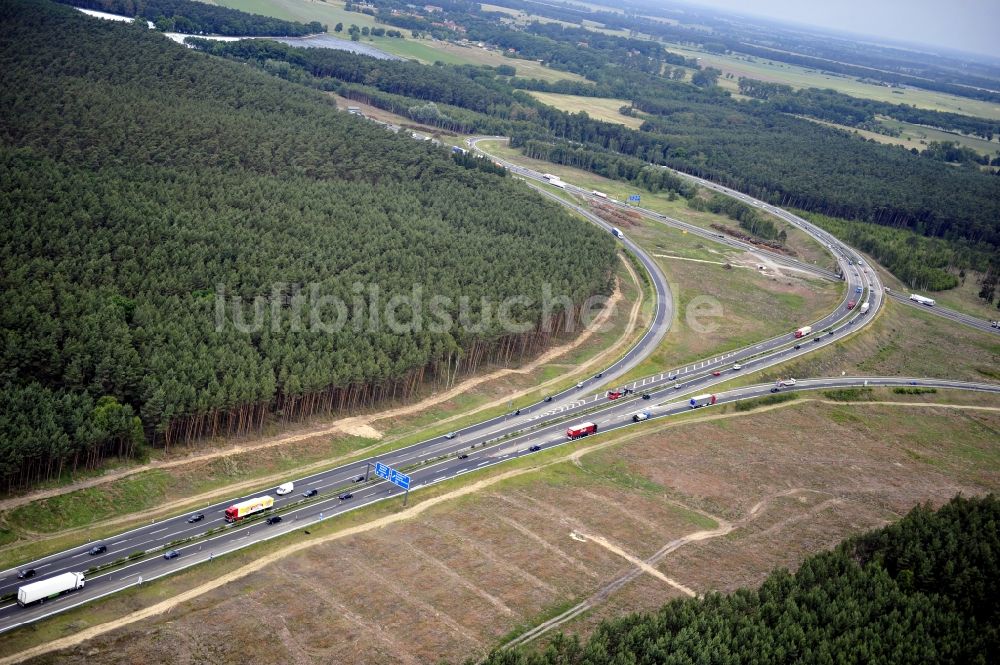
x=142, y=179
x=922, y=590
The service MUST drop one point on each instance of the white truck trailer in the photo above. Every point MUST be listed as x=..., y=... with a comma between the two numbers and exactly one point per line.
x=922, y=300
x=50, y=588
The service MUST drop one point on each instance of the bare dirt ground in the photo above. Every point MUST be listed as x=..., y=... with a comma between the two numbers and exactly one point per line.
x=710, y=505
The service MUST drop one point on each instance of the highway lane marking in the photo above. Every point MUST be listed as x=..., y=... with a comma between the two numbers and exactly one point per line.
x=151, y=533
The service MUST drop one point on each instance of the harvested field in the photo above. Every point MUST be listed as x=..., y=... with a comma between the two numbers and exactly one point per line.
x=470, y=573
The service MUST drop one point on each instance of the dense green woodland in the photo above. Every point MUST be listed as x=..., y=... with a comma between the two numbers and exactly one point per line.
x=755, y=146
x=140, y=177
x=200, y=18
x=923, y=590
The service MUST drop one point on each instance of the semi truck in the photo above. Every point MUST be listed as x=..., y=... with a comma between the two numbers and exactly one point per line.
x=803, y=331
x=557, y=183
x=600, y=195
x=616, y=232
x=864, y=308
x=50, y=588
x=922, y=300
x=238, y=511
x=702, y=400
x=583, y=429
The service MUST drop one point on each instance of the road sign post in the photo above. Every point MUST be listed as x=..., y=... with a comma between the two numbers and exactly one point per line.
x=398, y=479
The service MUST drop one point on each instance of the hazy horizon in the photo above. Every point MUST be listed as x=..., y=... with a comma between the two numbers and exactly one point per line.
x=963, y=25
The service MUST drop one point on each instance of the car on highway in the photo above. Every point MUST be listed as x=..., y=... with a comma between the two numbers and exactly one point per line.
x=798, y=346
x=580, y=385
x=829, y=332
x=737, y=367
x=775, y=389
x=672, y=377
x=97, y=549
x=26, y=574
x=274, y=519
x=345, y=496
x=172, y=554
x=196, y=518
x=647, y=396
x=358, y=479
x=599, y=375
x=786, y=382
x=817, y=339
x=548, y=398
x=716, y=373
x=450, y=435
x=464, y=456
x=678, y=386
x=284, y=488
x=535, y=448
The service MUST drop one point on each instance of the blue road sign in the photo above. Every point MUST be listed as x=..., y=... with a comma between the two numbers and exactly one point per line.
x=400, y=479
x=393, y=476
x=634, y=198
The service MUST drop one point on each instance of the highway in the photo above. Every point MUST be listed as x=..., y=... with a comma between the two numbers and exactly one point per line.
x=950, y=314
x=616, y=415
x=483, y=444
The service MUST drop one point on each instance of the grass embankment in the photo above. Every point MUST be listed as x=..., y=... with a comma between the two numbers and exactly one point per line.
x=721, y=309
x=506, y=548
x=902, y=341
x=802, y=245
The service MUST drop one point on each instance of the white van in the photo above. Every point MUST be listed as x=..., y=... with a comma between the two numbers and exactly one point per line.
x=287, y=488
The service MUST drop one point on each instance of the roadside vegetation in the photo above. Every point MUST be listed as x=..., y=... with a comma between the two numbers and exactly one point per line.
x=529, y=547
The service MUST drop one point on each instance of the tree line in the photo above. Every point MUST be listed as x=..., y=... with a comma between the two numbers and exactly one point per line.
x=199, y=18
x=753, y=146
x=921, y=590
x=222, y=188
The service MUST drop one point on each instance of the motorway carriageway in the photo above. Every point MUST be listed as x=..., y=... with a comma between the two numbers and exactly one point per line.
x=563, y=405
x=616, y=416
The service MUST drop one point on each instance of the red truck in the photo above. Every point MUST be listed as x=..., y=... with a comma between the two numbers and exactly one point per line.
x=851, y=304
x=615, y=394
x=583, y=429
x=803, y=331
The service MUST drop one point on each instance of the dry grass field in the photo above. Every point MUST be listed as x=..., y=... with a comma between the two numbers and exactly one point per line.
x=772, y=487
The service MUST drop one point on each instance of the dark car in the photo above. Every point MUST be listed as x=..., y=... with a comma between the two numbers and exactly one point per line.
x=26, y=574
x=647, y=396
x=798, y=346
x=774, y=390
x=535, y=448
x=359, y=479
x=817, y=339
x=312, y=492
x=274, y=519
x=599, y=375
x=345, y=496
x=548, y=399
x=172, y=554
x=464, y=456
x=829, y=332
x=196, y=518
x=672, y=377
x=97, y=549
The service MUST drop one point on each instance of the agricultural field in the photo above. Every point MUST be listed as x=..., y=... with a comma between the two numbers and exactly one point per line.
x=427, y=51
x=599, y=108
x=710, y=505
x=915, y=136
x=800, y=77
